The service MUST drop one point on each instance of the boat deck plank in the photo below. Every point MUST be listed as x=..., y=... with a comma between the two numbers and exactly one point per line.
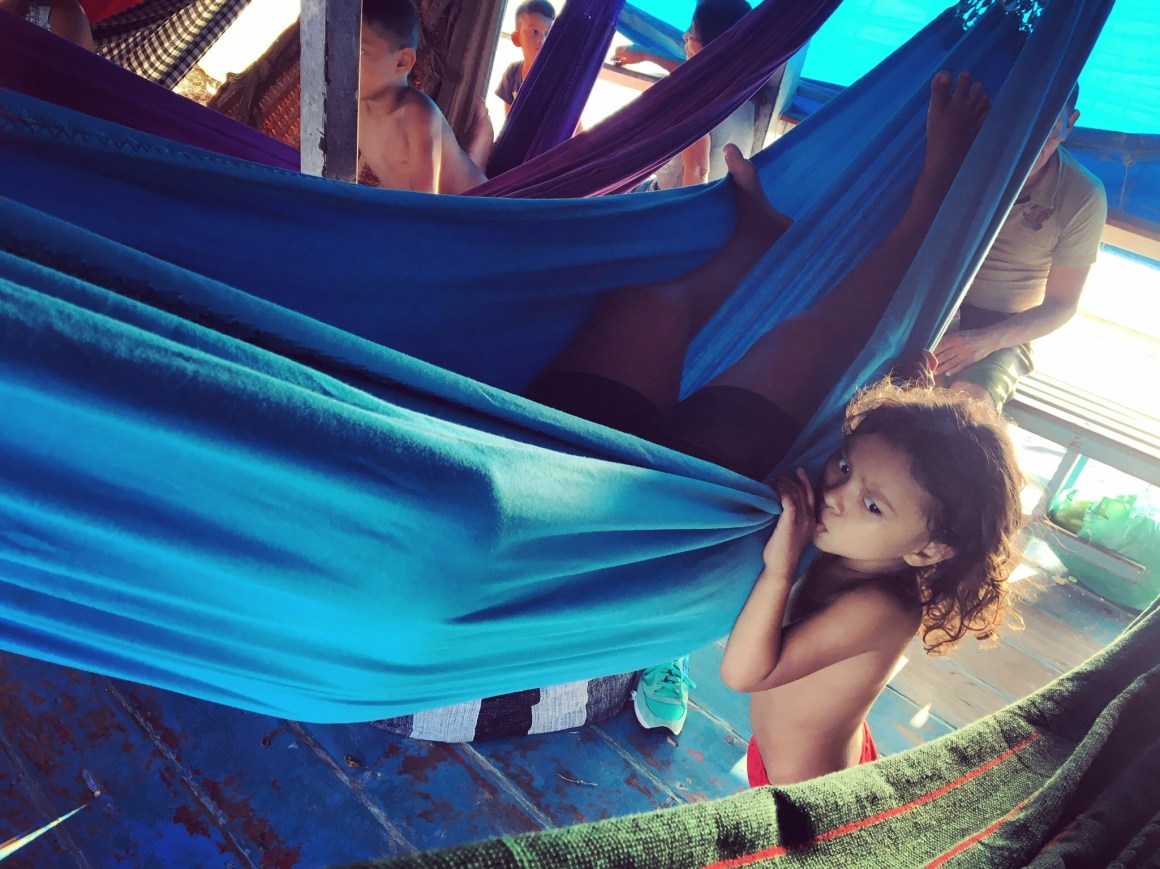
x=189, y=783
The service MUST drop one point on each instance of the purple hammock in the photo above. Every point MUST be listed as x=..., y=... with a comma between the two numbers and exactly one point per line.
x=552, y=98
x=612, y=156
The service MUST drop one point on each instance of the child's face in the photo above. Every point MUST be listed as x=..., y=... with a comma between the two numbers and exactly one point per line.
x=381, y=64
x=531, y=31
x=871, y=510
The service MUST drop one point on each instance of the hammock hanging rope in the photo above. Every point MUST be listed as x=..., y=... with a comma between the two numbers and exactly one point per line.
x=221, y=481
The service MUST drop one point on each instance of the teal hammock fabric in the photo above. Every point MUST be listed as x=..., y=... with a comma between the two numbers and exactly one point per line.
x=219, y=479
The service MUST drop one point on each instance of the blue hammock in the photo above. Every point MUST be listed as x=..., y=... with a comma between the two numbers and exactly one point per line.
x=219, y=480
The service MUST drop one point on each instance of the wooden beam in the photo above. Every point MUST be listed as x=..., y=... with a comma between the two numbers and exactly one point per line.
x=1131, y=238
x=459, y=40
x=330, y=32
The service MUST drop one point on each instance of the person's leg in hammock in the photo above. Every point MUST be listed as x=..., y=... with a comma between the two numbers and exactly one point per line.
x=623, y=368
x=625, y=364
x=821, y=342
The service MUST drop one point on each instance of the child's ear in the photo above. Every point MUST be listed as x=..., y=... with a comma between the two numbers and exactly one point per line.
x=932, y=553
x=406, y=61
x=516, y=39
x=1071, y=122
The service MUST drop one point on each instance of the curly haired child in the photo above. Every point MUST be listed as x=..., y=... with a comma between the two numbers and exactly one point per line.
x=913, y=519
x=623, y=369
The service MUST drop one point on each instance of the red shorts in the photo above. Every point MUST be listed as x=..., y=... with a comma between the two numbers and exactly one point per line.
x=756, y=768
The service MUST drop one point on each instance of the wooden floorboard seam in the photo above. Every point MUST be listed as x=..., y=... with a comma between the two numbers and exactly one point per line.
x=377, y=810
x=931, y=716
x=506, y=785
x=718, y=720
x=632, y=760
x=220, y=819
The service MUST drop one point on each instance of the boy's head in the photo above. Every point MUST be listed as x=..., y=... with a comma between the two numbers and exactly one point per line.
x=961, y=459
x=534, y=19
x=711, y=18
x=1064, y=124
x=390, y=40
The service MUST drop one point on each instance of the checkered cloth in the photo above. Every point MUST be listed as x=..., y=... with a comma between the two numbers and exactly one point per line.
x=161, y=40
x=540, y=710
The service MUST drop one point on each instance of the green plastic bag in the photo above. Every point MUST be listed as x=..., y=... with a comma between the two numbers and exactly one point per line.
x=1124, y=526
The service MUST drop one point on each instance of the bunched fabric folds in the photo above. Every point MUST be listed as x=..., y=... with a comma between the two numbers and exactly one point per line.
x=221, y=481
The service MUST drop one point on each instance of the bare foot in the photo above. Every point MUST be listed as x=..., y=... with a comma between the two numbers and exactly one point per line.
x=952, y=121
x=756, y=217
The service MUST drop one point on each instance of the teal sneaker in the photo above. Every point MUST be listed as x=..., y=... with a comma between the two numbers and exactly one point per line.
x=661, y=698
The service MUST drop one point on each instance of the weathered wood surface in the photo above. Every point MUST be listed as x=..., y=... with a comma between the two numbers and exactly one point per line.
x=183, y=783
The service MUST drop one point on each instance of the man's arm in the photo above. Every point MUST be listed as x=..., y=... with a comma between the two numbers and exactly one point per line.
x=626, y=55
x=959, y=349
x=695, y=160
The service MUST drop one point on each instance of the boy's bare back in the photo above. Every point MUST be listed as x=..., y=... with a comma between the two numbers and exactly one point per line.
x=408, y=144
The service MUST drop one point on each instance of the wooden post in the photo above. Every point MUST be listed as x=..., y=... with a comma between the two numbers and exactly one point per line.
x=330, y=32
x=460, y=44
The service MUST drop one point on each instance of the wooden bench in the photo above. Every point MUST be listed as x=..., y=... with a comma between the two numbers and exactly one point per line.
x=1088, y=426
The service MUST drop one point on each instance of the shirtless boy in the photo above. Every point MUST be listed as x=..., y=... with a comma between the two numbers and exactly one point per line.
x=404, y=140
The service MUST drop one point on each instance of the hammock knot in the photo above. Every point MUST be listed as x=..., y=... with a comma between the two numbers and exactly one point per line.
x=1028, y=11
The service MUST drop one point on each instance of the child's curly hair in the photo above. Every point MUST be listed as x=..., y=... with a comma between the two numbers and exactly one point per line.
x=961, y=455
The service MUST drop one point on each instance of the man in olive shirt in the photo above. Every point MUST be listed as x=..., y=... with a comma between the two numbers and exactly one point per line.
x=1031, y=280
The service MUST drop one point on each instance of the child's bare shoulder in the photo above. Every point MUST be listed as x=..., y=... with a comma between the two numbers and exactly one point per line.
x=883, y=603
x=419, y=107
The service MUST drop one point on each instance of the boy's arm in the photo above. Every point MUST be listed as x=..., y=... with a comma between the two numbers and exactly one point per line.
x=426, y=146
x=68, y=21
x=457, y=172
x=695, y=160
x=860, y=621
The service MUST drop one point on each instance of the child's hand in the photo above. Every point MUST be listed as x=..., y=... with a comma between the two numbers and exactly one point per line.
x=795, y=526
x=626, y=54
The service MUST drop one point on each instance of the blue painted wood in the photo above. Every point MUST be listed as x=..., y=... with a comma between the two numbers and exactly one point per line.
x=713, y=696
x=890, y=724
x=700, y=764
x=186, y=783
x=1083, y=612
x=19, y=815
x=79, y=747
x=434, y=794
x=576, y=775
x=270, y=787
